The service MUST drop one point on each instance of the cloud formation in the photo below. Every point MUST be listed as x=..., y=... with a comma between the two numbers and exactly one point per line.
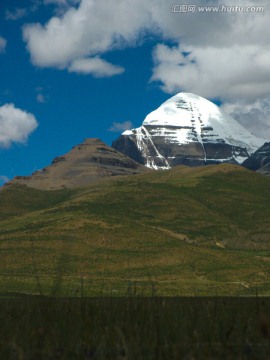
x=3, y=43
x=41, y=99
x=20, y=12
x=121, y=126
x=255, y=116
x=225, y=72
x=62, y=2
x=96, y=67
x=221, y=55
x=217, y=42
x=231, y=65
x=16, y=14
x=61, y=6
x=90, y=30
x=15, y=125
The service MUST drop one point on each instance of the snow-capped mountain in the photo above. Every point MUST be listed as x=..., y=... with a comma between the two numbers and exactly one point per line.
x=190, y=130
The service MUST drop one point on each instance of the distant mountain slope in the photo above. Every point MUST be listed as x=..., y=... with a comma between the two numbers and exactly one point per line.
x=187, y=130
x=203, y=229
x=260, y=160
x=84, y=164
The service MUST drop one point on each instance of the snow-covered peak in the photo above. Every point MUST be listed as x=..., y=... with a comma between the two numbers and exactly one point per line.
x=186, y=109
x=188, y=129
x=178, y=110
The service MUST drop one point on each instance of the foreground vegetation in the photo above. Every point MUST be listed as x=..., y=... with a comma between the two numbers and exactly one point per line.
x=134, y=328
x=186, y=231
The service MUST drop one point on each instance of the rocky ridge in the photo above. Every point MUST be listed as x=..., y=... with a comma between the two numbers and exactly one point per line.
x=260, y=160
x=86, y=163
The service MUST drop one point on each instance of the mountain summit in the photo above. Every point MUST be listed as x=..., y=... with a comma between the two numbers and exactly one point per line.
x=86, y=163
x=189, y=130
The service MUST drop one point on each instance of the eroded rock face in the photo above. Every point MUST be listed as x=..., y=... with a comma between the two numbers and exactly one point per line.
x=86, y=163
x=190, y=130
x=161, y=154
x=260, y=160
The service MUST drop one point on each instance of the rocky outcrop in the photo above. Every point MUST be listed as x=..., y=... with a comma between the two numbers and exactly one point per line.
x=260, y=160
x=86, y=163
x=160, y=153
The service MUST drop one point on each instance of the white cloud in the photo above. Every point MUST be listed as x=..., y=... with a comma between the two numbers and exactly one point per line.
x=238, y=76
x=216, y=55
x=15, y=125
x=224, y=72
x=92, y=29
x=229, y=62
x=41, y=98
x=121, y=126
x=228, y=55
x=224, y=55
x=61, y=6
x=165, y=54
x=16, y=14
x=96, y=67
x=255, y=116
x=3, y=43
x=62, y=2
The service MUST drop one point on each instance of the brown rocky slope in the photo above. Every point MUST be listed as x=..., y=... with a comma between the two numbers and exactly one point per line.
x=86, y=163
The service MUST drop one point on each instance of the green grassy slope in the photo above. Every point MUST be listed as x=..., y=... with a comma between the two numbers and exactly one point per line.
x=184, y=231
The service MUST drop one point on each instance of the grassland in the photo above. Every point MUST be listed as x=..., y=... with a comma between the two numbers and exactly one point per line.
x=186, y=231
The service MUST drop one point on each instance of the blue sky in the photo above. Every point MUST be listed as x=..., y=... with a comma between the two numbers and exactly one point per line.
x=72, y=69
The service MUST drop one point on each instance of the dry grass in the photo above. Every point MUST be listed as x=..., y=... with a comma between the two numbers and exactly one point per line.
x=205, y=229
